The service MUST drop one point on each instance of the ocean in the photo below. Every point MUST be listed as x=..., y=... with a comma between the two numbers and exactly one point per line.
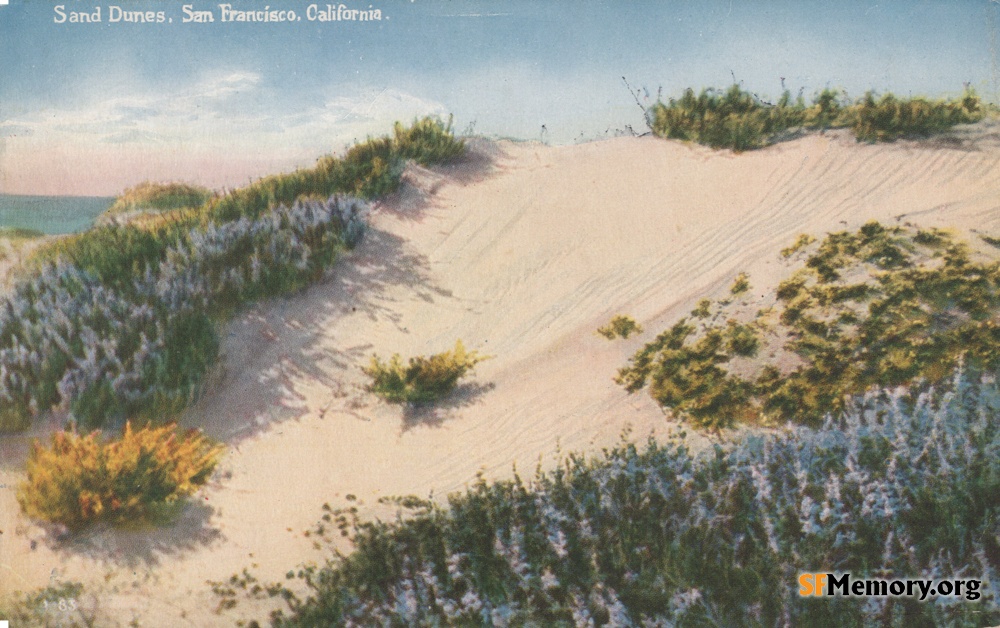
x=53, y=215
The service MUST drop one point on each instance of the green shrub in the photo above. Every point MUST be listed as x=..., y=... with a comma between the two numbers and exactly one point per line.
x=740, y=285
x=884, y=306
x=801, y=242
x=620, y=327
x=732, y=119
x=421, y=379
x=890, y=118
x=427, y=141
x=82, y=479
x=739, y=120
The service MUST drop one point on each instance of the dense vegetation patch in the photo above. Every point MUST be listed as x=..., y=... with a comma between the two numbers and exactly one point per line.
x=898, y=487
x=109, y=345
x=739, y=120
x=83, y=479
x=879, y=307
x=422, y=379
x=120, y=321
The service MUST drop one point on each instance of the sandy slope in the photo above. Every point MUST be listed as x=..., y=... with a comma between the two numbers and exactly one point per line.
x=522, y=251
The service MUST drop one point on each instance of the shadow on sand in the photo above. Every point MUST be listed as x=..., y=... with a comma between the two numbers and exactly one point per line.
x=270, y=349
x=434, y=415
x=178, y=530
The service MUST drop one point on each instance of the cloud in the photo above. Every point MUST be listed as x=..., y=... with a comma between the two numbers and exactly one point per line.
x=219, y=130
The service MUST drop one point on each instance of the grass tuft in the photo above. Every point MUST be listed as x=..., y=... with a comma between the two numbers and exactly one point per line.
x=620, y=326
x=422, y=379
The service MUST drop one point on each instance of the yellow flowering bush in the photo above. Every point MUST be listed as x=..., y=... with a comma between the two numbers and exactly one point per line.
x=83, y=479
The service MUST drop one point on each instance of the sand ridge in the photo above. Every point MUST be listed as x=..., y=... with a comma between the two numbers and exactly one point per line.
x=522, y=251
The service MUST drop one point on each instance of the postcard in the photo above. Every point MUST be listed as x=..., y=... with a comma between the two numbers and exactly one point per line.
x=499, y=313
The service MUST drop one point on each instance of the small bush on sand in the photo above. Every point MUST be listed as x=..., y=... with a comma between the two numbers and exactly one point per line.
x=421, y=379
x=80, y=480
x=427, y=141
x=620, y=327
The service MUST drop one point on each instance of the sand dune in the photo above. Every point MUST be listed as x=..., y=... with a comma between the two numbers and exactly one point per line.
x=521, y=251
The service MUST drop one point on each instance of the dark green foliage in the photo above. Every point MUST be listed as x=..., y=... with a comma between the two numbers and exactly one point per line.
x=739, y=120
x=896, y=488
x=689, y=378
x=732, y=119
x=994, y=242
x=890, y=118
x=620, y=327
x=878, y=307
x=422, y=379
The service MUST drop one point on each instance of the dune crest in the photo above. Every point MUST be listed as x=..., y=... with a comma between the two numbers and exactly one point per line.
x=521, y=251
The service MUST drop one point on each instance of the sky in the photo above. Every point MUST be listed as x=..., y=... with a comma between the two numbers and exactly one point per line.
x=92, y=108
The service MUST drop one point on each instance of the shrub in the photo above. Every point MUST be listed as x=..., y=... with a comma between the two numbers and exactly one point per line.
x=898, y=487
x=890, y=118
x=82, y=479
x=879, y=307
x=427, y=141
x=620, y=327
x=422, y=379
x=732, y=119
x=741, y=121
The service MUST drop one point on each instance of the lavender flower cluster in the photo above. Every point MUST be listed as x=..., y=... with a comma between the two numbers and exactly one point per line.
x=67, y=340
x=899, y=486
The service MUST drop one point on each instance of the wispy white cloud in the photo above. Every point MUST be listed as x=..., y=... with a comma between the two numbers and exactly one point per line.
x=218, y=131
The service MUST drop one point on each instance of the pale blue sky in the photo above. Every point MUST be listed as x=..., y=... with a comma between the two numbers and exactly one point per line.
x=90, y=108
